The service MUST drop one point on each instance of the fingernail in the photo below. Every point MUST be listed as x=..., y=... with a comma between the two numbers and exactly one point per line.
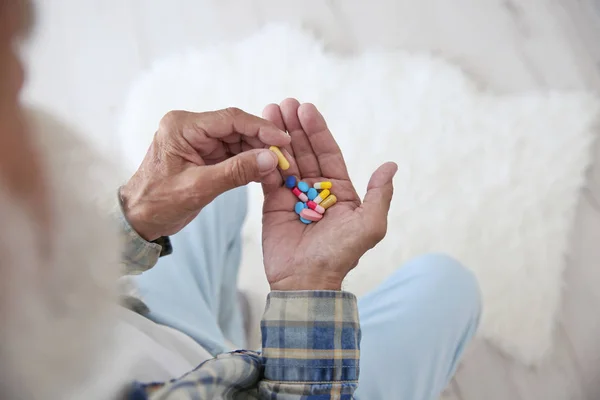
x=266, y=160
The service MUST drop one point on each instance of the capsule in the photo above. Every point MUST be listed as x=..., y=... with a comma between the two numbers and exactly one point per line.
x=314, y=206
x=311, y=215
x=299, y=207
x=312, y=193
x=303, y=186
x=322, y=196
x=305, y=221
x=284, y=164
x=329, y=201
x=290, y=182
x=323, y=185
x=299, y=194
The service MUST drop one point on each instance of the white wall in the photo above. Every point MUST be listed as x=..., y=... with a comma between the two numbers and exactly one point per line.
x=86, y=52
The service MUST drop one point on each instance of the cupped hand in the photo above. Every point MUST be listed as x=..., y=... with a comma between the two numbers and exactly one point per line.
x=193, y=158
x=318, y=256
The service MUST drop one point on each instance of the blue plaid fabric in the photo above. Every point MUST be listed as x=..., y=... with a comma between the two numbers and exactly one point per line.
x=310, y=351
x=310, y=345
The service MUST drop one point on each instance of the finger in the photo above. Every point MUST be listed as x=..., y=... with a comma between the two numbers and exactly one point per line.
x=304, y=155
x=376, y=204
x=235, y=148
x=325, y=148
x=272, y=112
x=219, y=124
x=239, y=170
x=271, y=182
x=274, y=180
x=246, y=147
x=293, y=169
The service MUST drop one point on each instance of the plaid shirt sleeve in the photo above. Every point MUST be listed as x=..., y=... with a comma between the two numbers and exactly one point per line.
x=310, y=352
x=138, y=255
x=311, y=345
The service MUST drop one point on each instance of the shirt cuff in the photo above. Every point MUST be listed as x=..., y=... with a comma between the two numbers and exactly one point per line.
x=311, y=336
x=138, y=254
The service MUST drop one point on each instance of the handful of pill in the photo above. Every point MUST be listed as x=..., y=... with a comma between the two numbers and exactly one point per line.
x=313, y=200
x=312, y=204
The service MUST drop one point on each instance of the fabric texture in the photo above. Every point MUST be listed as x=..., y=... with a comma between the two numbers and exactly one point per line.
x=194, y=290
x=154, y=352
x=139, y=255
x=311, y=351
x=311, y=337
x=492, y=180
x=415, y=327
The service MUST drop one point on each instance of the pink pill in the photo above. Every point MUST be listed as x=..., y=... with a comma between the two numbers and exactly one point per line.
x=314, y=206
x=311, y=215
x=300, y=195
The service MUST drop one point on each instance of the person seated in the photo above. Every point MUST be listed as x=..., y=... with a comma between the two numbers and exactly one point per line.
x=180, y=333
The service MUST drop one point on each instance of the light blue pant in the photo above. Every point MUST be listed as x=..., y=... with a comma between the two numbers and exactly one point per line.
x=415, y=326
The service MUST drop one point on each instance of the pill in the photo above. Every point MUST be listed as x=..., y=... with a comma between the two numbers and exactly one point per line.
x=283, y=162
x=322, y=185
x=314, y=206
x=299, y=207
x=329, y=201
x=311, y=215
x=322, y=196
x=312, y=193
x=299, y=194
x=303, y=186
x=290, y=182
x=305, y=221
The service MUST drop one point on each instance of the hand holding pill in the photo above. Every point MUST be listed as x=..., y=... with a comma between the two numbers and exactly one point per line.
x=312, y=240
x=194, y=158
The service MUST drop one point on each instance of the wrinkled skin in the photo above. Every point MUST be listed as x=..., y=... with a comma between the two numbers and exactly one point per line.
x=319, y=255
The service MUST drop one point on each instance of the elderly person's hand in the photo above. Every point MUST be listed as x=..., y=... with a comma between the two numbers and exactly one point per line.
x=195, y=157
x=318, y=256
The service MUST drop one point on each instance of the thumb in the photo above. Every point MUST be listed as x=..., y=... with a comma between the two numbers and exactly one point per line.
x=239, y=170
x=376, y=203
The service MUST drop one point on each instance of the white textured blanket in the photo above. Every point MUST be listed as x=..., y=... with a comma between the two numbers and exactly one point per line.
x=491, y=180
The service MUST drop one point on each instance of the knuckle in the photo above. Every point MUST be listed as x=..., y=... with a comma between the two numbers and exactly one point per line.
x=237, y=173
x=171, y=119
x=233, y=112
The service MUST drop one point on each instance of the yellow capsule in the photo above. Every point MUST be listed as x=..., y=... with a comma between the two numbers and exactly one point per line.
x=329, y=201
x=322, y=196
x=284, y=164
x=322, y=185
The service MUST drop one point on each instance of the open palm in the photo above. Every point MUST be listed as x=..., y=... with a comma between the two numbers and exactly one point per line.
x=319, y=255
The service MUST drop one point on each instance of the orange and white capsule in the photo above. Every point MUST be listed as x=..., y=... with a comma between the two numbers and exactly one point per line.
x=284, y=164
x=314, y=206
x=323, y=185
x=322, y=196
x=329, y=201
